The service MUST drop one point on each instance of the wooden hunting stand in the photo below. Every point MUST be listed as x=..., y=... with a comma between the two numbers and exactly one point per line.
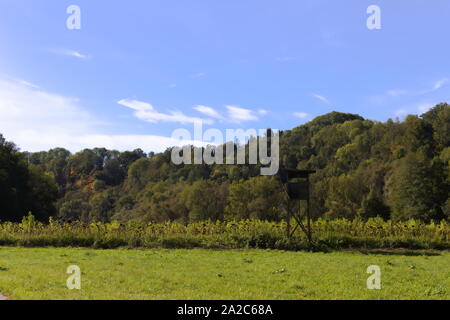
x=297, y=188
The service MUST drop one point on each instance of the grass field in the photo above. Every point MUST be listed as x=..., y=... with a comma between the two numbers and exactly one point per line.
x=212, y=274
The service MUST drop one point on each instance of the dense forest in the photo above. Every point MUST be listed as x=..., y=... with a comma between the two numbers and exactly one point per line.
x=395, y=169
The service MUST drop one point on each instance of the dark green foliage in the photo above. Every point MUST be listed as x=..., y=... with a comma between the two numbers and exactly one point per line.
x=417, y=188
x=373, y=206
x=74, y=210
x=257, y=198
x=205, y=200
x=439, y=119
x=23, y=188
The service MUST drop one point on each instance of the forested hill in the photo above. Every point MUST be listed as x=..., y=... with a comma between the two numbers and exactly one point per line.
x=397, y=170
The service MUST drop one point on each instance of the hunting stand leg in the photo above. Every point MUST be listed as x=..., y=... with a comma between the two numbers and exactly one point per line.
x=308, y=217
x=307, y=230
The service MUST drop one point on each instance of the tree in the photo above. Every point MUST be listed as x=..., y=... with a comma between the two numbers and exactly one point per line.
x=257, y=198
x=205, y=200
x=102, y=206
x=43, y=193
x=417, y=189
x=373, y=206
x=75, y=210
x=23, y=189
x=439, y=118
x=344, y=196
x=137, y=174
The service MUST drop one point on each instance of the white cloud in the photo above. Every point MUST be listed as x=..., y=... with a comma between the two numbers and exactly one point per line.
x=400, y=92
x=145, y=111
x=71, y=53
x=33, y=142
x=396, y=93
x=440, y=83
x=38, y=120
x=301, y=115
x=28, y=84
x=321, y=98
x=436, y=86
x=32, y=117
x=25, y=108
x=208, y=111
x=414, y=109
x=263, y=112
x=135, y=104
x=237, y=114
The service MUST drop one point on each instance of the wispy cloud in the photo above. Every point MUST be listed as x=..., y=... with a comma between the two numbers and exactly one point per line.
x=321, y=98
x=440, y=83
x=382, y=98
x=414, y=109
x=146, y=112
x=301, y=115
x=237, y=114
x=8, y=79
x=71, y=53
x=211, y=112
x=28, y=84
x=262, y=112
x=434, y=87
x=396, y=92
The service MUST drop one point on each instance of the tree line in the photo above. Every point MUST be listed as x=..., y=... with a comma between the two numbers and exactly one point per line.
x=395, y=169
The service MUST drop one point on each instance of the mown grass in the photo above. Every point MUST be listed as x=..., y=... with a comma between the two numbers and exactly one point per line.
x=328, y=235
x=40, y=273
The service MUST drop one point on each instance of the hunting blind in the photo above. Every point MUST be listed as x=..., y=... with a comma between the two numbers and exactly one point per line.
x=297, y=187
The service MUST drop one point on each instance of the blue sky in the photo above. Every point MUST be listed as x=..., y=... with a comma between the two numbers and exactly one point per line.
x=137, y=70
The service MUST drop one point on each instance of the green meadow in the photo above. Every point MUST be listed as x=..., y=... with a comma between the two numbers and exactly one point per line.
x=40, y=273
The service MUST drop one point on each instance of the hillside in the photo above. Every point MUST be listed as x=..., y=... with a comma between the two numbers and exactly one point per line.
x=392, y=169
